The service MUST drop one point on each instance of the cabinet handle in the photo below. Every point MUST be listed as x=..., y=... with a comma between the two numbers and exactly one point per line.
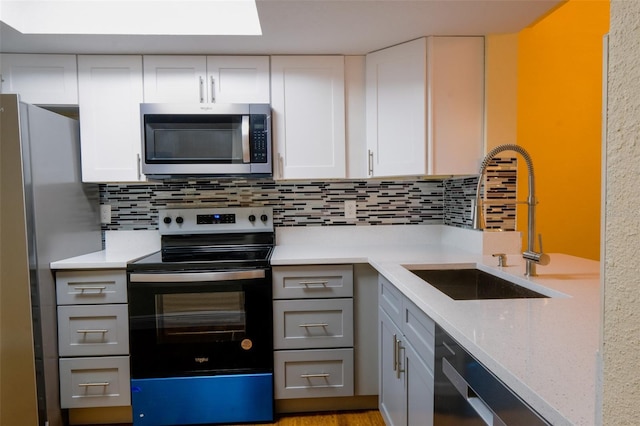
x=86, y=331
x=201, y=90
x=399, y=357
x=395, y=352
x=320, y=324
x=139, y=166
x=86, y=385
x=213, y=90
x=317, y=283
x=318, y=375
x=370, y=158
x=83, y=288
x=281, y=166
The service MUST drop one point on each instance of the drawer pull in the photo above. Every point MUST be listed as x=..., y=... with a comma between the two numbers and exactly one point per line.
x=102, y=331
x=87, y=385
x=323, y=324
x=314, y=376
x=99, y=288
x=315, y=283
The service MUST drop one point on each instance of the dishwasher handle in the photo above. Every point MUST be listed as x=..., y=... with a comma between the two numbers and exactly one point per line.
x=461, y=385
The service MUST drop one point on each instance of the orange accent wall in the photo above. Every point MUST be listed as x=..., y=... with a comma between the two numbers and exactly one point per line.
x=559, y=122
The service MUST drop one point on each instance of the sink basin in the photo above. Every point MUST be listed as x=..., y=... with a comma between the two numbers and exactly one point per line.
x=473, y=284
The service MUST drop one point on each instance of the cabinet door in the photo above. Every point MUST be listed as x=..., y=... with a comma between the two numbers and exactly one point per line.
x=425, y=107
x=238, y=79
x=110, y=93
x=40, y=79
x=419, y=388
x=175, y=79
x=392, y=394
x=308, y=116
x=456, y=112
x=396, y=109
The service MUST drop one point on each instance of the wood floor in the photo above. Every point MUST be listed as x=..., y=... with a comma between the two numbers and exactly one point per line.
x=343, y=418
x=352, y=418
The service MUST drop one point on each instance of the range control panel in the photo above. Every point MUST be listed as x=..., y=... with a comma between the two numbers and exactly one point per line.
x=215, y=220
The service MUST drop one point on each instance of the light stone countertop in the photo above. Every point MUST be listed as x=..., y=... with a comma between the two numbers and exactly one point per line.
x=121, y=247
x=543, y=349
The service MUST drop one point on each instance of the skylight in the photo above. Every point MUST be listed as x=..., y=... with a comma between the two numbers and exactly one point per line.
x=132, y=17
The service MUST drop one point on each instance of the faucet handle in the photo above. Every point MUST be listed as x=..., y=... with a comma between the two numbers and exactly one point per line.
x=502, y=259
x=538, y=257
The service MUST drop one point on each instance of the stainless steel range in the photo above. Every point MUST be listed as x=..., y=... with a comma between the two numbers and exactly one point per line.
x=200, y=319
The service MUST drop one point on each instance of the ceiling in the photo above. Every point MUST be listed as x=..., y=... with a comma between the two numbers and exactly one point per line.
x=350, y=27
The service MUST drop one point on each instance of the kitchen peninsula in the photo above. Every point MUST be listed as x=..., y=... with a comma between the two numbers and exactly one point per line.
x=544, y=349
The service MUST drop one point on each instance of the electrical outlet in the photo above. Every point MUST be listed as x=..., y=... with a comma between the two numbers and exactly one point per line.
x=350, y=209
x=105, y=213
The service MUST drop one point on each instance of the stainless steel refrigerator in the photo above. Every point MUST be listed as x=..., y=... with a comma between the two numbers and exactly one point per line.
x=46, y=214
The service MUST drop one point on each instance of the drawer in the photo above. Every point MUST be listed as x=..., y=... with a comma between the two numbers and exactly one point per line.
x=93, y=330
x=94, y=382
x=419, y=330
x=313, y=373
x=313, y=323
x=313, y=282
x=91, y=287
x=390, y=300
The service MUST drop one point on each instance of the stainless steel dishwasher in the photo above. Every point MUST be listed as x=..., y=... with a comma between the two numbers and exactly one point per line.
x=467, y=394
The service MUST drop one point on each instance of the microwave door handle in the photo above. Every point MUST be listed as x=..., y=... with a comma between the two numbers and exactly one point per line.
x=246, y=155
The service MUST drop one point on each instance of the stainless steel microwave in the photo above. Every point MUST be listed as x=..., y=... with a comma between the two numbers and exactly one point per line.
x=199, y=140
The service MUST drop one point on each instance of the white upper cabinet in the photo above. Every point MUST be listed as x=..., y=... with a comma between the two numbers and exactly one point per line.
x=206, y=79
x=425, y=107
x=40, y=79
x=239, y=79
x=110, y=93
x=308, y=116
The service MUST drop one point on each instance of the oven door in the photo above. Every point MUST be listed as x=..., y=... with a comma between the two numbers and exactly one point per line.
x=200, y=323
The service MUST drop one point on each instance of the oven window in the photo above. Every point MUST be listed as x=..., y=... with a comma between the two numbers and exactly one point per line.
x=200, y=317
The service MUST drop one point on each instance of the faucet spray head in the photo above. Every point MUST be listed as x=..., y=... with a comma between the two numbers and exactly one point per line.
x=476, y=211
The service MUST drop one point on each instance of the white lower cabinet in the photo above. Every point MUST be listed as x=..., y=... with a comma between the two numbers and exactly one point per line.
x=93, y=338
x=94, y=382
x=406, y=356
x=313, y=373
x=313, y=331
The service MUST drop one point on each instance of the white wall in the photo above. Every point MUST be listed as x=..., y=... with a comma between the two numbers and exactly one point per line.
x=621, y=347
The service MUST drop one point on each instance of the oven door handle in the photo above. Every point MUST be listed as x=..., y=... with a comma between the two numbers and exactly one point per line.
x=192, y=277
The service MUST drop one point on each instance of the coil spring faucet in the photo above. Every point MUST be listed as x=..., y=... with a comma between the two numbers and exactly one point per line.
x=530, y=255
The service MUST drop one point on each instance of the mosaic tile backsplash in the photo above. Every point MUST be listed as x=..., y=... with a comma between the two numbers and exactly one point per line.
x=316, y=203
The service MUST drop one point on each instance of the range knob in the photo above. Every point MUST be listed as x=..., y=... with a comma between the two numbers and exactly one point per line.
x=179, y=220
x=264, y=218
x=167, y=220
x=252, y=218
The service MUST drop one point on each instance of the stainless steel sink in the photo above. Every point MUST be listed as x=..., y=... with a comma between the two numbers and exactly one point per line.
x=473, y=284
